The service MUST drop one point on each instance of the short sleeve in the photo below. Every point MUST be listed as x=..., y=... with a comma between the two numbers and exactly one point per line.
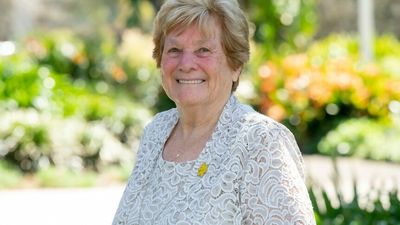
x=273, y=190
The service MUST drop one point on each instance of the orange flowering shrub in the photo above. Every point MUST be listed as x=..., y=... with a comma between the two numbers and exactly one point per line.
x=313, y=91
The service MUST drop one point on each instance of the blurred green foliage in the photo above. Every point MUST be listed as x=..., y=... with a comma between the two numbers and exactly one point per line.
x=364, y=138
x=26, y=83
x=101, y=64
x=142, y=13
x=10, y=176
x=282, y=26
x=63, y=177
x=48, y=86
x=374, y=211
x=314, y=91
x=25, y=146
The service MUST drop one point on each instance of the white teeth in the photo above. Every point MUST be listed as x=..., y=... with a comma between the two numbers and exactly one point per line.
x=190, y=81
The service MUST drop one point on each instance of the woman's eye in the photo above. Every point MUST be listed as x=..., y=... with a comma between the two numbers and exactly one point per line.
x=203, y=50
x=173, y=50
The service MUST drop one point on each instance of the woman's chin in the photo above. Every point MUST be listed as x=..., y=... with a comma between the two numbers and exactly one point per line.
x=190, y=101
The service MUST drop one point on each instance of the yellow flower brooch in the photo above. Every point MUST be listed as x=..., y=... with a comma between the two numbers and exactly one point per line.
x=202, y=170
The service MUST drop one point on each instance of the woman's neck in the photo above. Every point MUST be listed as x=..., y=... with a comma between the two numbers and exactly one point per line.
x=196, y=122
x=198, y=119
x=195, y=126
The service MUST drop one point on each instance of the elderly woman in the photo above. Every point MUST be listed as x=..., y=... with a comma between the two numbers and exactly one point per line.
x=211, y=160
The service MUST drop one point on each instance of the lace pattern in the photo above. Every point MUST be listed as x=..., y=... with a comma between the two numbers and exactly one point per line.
x=254, y=176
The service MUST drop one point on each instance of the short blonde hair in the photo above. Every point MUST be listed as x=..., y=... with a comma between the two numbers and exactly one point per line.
x=179, y=14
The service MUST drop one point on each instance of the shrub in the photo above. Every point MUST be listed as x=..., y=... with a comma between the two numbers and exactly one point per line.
x=34, y=141
x=10, y=176
x=375, y=211
x=37, y=104
x=77, y=57
x=26, y=84
x=316, y=90
x=100, y=64
x=25, y=145
x=364, y=138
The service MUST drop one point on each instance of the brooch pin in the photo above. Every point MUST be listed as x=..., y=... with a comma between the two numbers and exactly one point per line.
x=202, y=170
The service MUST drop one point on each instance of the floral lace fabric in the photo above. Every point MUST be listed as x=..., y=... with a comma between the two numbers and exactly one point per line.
x=254, y=176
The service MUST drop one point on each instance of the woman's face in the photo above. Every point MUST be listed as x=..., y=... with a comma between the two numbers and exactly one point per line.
x=194, y=67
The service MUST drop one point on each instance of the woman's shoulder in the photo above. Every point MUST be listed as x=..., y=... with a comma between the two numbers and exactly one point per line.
x=262, y=134
x=251, y=119
x=265, y=129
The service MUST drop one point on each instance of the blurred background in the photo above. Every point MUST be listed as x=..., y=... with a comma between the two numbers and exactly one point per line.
x=78, y=84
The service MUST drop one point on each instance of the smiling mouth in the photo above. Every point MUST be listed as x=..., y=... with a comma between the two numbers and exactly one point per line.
x=190, y=81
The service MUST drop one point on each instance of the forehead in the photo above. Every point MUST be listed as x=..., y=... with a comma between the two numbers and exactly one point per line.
x=198, y=32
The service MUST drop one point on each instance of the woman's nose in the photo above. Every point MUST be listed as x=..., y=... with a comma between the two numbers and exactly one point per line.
x=187, y=62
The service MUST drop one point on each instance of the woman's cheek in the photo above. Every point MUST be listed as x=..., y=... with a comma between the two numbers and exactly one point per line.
x=168, y=64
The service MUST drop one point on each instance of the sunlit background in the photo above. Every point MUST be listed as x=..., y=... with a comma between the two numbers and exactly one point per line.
x=78, y=84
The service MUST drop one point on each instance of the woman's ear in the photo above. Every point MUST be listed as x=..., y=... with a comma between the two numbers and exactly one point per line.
x=236, y=74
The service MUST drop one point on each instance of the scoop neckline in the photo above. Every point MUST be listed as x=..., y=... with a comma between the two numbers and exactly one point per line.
x=203, y=152
x=188, y=162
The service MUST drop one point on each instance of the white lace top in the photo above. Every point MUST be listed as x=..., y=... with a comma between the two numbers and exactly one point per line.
x=249, y=172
